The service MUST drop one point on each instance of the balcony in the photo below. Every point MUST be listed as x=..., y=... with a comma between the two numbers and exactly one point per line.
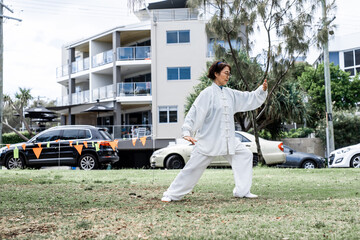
x=77, y=66
x=76, y=98
x=129, y=131
x=178, y=14
x=102, y=58
x=62, y=101
x=80, y=97
x=103, y=92
x=134, y=89
x=62, y=71
x=133, y=53
x=80, y=65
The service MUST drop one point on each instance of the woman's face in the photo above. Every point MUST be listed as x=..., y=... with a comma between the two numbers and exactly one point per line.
x=223, y=77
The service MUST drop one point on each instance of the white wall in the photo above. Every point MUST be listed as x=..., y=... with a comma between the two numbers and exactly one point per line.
x=170, y=93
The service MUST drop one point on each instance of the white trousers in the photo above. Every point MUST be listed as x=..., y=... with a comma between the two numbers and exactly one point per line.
x=241, y=163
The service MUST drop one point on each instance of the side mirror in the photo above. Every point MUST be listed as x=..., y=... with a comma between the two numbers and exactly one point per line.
x=291, y=151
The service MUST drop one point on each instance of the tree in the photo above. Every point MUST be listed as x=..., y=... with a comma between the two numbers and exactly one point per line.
x=289, y=21
x=345, y=92
x=346, y=128
x=22, y=99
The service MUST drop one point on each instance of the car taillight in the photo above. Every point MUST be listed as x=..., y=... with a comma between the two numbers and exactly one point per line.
x=104, y=143
x=281, y=147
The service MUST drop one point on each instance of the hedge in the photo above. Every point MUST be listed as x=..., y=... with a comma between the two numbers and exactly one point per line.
x=11, y=138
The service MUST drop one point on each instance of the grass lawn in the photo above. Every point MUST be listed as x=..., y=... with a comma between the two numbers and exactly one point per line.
x=125, y=204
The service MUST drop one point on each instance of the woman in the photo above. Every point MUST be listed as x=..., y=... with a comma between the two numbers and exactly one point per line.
x=211, y=117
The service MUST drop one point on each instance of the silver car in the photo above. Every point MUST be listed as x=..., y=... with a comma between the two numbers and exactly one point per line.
x=176, y=156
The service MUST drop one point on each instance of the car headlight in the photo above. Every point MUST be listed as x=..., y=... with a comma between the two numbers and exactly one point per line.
x=2, y=150
x=339, y=160
x=344, y=150
x=157, y=152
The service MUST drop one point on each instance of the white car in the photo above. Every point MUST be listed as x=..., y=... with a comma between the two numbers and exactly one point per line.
x=345, y=157
x=175, y=156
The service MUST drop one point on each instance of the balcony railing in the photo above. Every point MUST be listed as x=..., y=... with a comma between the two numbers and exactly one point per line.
x=103, y=92
x=76, y=98
x=133, y=53
x=62, y=71
x=62, y=101
x=102, y=58
x=81, y=97
x=77, y=66
x=134, y=89
x=80, y=65
x=129, y=131
x=179, y=14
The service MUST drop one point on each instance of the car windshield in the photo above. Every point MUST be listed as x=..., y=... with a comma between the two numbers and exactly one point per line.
x=105, y=134
x=241, y=137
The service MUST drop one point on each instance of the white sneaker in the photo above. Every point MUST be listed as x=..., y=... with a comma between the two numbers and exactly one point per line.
x=166, y=199
x=250, y=195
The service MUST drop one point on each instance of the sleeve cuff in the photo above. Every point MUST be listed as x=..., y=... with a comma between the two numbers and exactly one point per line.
x=185, y=134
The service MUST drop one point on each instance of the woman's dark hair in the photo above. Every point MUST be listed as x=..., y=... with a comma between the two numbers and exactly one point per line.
x=217, y=67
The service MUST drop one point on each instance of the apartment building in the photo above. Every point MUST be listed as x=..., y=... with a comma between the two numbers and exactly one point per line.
x=344, y=51
x=140, y=74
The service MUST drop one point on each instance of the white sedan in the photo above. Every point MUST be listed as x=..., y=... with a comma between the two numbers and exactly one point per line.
x=176, y=156
x=345, y=157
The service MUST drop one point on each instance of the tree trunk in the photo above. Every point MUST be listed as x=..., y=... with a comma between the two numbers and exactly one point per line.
x=256, y=133
x=16, y=131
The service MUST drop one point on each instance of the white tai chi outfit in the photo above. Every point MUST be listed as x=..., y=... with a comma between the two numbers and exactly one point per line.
x=211, y=117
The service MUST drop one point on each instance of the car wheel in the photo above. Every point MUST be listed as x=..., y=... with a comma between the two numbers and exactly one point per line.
x=255, y=160
x=308, y=164
x=175, y=162
x=13, y=163
x=88, y=162
x=355, y=161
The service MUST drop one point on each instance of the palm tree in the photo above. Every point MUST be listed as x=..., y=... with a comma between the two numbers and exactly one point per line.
x=22, y=99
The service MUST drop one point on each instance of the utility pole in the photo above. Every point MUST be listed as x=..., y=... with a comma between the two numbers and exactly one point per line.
x=2, y=61
x=329, y=119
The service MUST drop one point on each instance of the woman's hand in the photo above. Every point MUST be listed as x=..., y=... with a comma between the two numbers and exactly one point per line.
x=265, y=85
x=190, y=139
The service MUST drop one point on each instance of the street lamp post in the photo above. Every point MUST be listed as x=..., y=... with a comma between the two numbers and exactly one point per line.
x=329, y=119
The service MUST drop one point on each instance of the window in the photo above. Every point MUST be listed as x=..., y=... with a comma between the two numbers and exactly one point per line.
x=235, y=43
x=72, y=134
x=352, y=61
x=241, y=138
x=48, y=136
x=182, y=36
x=178, y=73
x=168, y=114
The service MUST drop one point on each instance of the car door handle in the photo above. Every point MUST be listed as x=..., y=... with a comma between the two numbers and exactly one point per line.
x=247, y=145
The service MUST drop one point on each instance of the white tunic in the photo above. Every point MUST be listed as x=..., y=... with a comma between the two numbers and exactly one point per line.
x=211, y=117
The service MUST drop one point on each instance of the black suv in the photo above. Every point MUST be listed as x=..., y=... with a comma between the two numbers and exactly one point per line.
x=58, y=146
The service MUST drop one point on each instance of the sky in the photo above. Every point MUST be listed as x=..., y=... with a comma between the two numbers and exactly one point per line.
x=32, y=48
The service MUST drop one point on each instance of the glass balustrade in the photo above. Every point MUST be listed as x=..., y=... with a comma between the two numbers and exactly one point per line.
x=180, y=14
x=80, y=97
x=134, y=89
x=102, y=58
x=133, y=53
x=103, y=92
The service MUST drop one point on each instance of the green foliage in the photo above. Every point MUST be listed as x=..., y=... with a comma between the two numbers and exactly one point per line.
x=11, y=138
x=292, y=133
x=345, y=92
x=346, y=128
x=297, y=133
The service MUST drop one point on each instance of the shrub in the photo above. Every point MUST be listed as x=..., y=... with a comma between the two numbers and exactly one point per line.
x=297, y=133
x=346, y=128
x=11, y=138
